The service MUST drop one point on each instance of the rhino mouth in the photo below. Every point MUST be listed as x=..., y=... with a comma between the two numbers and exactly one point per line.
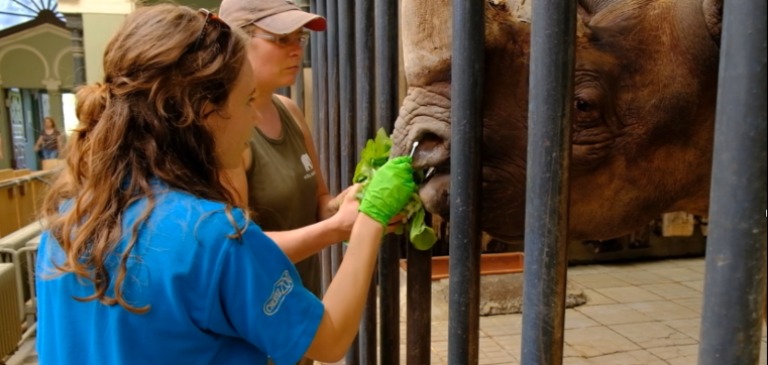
x=432, y=156
x=434, y=194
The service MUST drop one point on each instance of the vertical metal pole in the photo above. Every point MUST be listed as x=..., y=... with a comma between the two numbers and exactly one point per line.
x=385, y=31
x=284, y=91
x=419, y=316
x=333, y=97
x=546, y=218
x=333, y=176
x=334, y=184
x=734, y=285
x=320, y=113
x=347, y=91
x=298, y=91
x=346, y=16
x=320, y=65
x=466, y=133
x=364, y=69
x=314, y=55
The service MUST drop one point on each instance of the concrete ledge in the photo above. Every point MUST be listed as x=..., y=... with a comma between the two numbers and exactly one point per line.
x=499, y=294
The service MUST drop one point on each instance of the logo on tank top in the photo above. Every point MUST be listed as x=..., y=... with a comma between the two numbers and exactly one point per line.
x=307, y=162
x=282, y=287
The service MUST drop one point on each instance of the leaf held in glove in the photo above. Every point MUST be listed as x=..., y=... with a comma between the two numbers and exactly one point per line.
x=373, y=156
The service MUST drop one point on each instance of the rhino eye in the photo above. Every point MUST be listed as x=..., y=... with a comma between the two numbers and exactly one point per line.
x=583, y=105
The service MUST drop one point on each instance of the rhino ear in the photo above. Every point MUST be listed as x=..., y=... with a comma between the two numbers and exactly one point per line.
x=713, y=17
x=588, y=8
x=585, y=10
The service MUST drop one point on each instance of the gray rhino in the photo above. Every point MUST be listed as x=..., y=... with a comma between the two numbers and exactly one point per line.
x=643, y=111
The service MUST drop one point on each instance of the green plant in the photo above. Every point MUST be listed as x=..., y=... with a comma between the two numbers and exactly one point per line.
x=373, y=156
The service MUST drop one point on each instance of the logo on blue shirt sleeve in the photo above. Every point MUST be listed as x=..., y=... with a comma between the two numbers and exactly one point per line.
x=282, y=287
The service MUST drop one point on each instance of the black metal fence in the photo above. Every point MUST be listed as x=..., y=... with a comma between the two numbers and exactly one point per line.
x=355, y=88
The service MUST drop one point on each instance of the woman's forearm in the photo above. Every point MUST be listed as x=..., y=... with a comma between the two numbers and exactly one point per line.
x=300, y=243
x=346, y=296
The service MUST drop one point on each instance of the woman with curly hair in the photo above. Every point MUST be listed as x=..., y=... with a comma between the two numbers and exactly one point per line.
x=146, y=259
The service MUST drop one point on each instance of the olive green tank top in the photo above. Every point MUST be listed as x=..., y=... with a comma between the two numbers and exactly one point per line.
x=282, y=187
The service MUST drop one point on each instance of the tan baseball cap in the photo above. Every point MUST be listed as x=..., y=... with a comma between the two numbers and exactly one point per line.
x=274, y=16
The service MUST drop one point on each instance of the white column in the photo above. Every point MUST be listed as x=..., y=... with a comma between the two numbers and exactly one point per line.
x=5, y=133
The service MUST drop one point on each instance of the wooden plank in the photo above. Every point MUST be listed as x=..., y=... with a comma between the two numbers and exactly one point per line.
x=25, y=203
x=52, y=164
x=6, y=174
x=9, y=221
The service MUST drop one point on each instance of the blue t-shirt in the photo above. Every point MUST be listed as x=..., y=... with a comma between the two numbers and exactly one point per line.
x=214, y=299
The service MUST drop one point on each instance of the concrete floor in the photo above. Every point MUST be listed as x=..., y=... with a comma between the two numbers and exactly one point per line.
x=645, y=313
x=638, y=313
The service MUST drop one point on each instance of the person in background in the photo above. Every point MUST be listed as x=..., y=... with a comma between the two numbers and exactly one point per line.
x=51, y=140
x=145, y=258
x=285, y=188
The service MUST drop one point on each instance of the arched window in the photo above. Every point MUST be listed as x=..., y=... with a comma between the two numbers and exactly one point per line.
x=13, y=12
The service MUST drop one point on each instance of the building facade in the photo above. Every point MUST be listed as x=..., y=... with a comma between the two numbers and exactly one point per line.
x=44, y=59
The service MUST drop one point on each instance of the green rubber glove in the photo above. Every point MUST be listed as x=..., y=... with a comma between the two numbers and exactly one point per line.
x=390, y=190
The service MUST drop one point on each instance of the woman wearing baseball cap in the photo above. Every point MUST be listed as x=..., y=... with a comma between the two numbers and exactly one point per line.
x=285, y=187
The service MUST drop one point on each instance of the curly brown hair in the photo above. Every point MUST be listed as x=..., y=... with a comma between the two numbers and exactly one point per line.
x=144, y=122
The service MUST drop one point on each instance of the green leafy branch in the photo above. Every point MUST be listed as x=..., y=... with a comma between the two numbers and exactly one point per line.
x=372, y=157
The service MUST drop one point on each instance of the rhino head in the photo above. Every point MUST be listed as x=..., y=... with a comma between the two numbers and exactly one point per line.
x=643, y=112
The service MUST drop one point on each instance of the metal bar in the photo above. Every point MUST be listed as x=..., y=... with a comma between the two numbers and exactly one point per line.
x=334, y=151
x=466, y=134
x=320, y=65
x=364, y=69
x=314, y=55
x=25, y=6
x=419, y=307
x=385, y=53
x=325, y=268
x=284, y=91
x=320, y=115
x=38, y=7
x=546, y=218
x=346, y=92
x=334, y=128
x=734, y=285
x=389, y=300
x=18, y=14
x=19, y=280
x=367, y=336
x=385, y=32
x=346, y=158
x=298, y=91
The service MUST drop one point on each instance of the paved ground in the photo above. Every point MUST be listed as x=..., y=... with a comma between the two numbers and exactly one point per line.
x=636, y=314
x=640, y=313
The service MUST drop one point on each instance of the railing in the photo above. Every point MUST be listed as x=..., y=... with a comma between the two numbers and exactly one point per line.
x=21, y=196
x=10, y=328
x=20, y=250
